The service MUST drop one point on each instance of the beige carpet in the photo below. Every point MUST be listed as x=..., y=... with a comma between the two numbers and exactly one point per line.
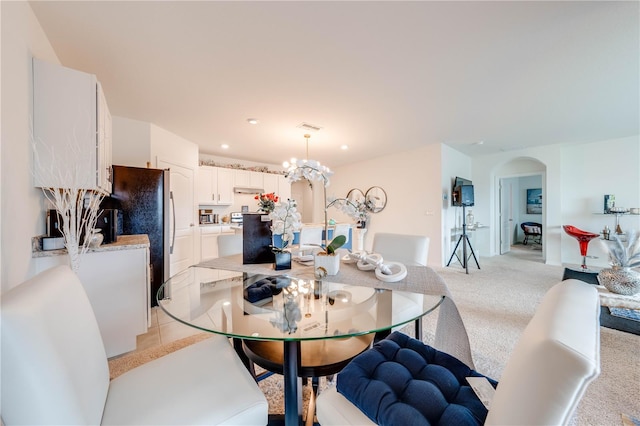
x=496, y=302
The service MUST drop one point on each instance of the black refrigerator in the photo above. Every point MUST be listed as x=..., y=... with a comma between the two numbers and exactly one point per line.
x=142, y=197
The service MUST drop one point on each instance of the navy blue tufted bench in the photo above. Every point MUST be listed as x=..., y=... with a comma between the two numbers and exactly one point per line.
x=402, y=381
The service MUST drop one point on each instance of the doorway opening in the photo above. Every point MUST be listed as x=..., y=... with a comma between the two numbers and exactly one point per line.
x=521, y=209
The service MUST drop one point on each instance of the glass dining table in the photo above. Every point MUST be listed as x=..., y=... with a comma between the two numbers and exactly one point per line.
x=295, y=310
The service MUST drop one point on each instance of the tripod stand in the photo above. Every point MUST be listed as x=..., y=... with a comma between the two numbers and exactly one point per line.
x=465, y=241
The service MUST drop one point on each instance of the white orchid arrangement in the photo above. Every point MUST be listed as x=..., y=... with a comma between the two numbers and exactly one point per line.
x=314, y=171
x=285, y=221
x=357, y=210
x=309, y=169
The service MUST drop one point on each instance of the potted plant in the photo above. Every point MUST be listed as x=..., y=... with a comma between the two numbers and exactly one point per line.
x=623, y=255
x=285, y=221
x=327, y=258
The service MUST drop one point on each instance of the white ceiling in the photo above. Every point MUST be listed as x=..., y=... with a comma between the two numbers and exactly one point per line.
x=377, y=76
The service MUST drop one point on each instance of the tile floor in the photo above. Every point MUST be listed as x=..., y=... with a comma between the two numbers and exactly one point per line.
x=163, y=330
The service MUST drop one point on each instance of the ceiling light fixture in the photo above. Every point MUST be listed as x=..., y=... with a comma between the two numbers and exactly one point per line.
x=287, y=164
x=307, y=136
x=344, y=147
x=252, y=120
x=224, y=146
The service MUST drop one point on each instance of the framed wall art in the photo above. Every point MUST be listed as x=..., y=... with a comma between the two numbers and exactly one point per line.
x=534, y=201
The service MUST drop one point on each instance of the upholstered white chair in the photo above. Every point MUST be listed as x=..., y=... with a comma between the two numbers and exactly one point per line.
x=555, y=359
x=229, y=244
x=310, y=239
x=55, y=370
x=407, y=249
x=342, y=229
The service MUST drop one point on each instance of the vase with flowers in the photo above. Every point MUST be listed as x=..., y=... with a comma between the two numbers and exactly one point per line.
x=312, y=170
x=285, y=221
x=266, y=201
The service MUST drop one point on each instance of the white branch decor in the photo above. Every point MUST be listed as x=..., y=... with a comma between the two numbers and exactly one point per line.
x=77, y=207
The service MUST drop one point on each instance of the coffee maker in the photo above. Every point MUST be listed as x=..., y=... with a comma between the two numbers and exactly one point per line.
x=107, y=222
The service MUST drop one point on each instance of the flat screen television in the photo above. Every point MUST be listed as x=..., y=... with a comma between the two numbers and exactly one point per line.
x=462, y=192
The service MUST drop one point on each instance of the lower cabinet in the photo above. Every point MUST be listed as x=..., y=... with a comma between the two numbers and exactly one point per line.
x=209, y=240
x=117, y=283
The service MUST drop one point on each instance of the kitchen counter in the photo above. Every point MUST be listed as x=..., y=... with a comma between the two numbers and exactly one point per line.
x=123, y=242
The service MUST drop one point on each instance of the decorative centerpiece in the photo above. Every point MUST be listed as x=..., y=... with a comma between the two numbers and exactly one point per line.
x=327, y=258
x=313, y=171
x=285, y=221
x=267, y=201
x=623, y=255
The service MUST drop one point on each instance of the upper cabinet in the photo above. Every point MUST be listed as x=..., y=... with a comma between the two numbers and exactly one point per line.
x=248, y=179
x=215, y=186
x=71, y=129
x=277, y=183
x=284, y=187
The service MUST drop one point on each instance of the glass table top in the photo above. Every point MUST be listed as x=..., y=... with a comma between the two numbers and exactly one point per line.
x=264, y=307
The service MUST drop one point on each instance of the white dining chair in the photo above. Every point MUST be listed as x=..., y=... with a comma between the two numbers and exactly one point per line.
x=55, y=369
x=554, y=361
x=407, y=249
x=310, y=239
x=342, y=229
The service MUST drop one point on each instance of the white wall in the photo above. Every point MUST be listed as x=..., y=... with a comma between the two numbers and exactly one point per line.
x=22, y=204
x=589, y=172
x=453, y=164
x=575, y=181
x=412, y=181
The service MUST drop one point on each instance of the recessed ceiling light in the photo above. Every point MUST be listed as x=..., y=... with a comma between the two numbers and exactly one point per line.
x=252, y=120
x=224, y=146
x=344, y=147
x=479, y=143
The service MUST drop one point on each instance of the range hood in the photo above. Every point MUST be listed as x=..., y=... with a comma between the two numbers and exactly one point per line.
x=247, y=190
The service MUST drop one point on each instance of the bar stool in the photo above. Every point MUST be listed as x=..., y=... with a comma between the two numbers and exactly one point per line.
x=583, y=238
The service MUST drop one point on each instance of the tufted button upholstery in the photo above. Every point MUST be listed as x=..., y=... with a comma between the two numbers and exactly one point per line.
x=403, y=381
x=264, y=289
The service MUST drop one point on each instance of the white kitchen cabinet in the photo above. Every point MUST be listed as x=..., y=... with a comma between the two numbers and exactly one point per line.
x=71, y=129
x=271, y=183
x=117, y=284
x=215, y=186
x=278, y=184
x=209, y=240
x=248, y=179
x=284, y=187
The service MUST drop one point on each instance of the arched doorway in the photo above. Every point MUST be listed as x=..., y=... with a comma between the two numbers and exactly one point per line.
x=521, y=185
